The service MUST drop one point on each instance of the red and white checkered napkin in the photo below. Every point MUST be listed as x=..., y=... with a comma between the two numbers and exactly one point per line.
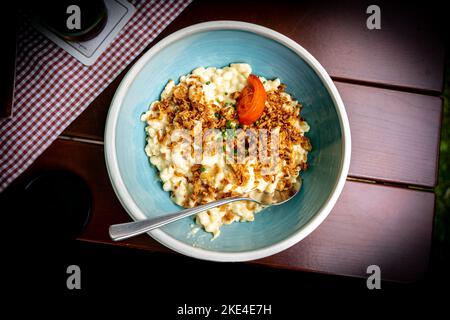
x=52, y=88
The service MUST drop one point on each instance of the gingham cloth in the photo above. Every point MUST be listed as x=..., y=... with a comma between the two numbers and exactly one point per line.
x=52, y=88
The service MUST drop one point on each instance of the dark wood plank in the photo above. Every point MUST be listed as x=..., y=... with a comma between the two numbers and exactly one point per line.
x=371, y=224
x=395, y=134
x=407, y=52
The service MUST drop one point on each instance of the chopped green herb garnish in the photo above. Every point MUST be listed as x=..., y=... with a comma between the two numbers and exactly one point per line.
x=217, y=115
x=208, y=82
x=264, y=82
x=226, y=93
x=229, y=124
x=202, y=169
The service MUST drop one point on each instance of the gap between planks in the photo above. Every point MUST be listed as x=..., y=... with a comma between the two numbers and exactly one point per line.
x=379, y=85
x=349, y=178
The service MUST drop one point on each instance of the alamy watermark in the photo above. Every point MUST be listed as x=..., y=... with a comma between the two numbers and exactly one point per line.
x=74, y=279
x=236, y=145
x=74, y=20
x=373, y=22
x=374, y=280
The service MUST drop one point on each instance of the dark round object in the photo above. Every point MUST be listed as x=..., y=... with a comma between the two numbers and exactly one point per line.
x=62, y=202
x=53, y=15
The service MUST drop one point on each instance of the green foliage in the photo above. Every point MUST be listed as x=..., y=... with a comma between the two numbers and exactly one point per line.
x=442, y=220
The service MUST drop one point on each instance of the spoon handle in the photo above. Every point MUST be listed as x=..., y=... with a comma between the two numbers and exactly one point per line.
x=123, y=231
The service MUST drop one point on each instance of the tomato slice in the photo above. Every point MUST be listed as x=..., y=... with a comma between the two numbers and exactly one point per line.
x=250, y=104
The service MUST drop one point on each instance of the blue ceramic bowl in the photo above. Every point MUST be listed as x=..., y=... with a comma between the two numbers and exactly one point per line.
x=271, y=55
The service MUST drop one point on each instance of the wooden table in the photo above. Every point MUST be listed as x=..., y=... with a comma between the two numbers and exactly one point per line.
x=390, y=81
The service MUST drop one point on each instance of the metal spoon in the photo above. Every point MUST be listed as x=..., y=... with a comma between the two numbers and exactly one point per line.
x=123, y=231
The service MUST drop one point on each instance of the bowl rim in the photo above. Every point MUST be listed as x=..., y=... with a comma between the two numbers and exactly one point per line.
x=159, y=235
